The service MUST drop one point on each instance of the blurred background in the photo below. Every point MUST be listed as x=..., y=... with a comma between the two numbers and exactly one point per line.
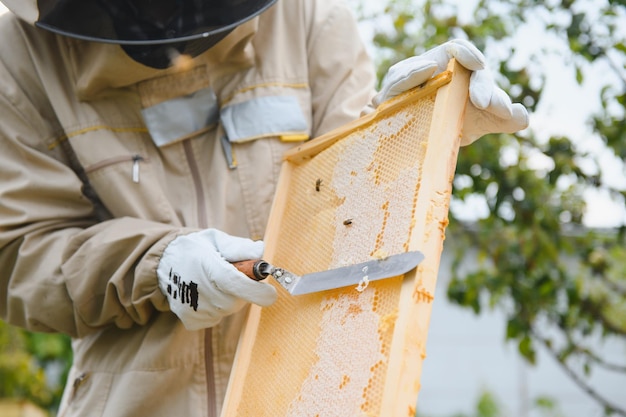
x=529, y=318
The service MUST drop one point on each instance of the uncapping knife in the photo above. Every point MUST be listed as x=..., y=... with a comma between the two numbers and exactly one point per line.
x=345, y=276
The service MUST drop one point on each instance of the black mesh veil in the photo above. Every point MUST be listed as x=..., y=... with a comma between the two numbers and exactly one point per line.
x=148, y=29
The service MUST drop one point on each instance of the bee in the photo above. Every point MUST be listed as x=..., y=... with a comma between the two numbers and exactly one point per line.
x=318, y=184
x=347, y=222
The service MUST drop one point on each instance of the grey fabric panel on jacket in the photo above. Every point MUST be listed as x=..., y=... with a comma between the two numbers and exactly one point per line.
x=173, y=120
x=263, y=116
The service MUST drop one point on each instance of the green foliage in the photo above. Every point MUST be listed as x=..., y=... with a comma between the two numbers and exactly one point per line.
x=557, y=281
x=24, y=359
x=487, y=406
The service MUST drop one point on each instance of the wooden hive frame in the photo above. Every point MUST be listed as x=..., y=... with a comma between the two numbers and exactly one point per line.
x=293, y=358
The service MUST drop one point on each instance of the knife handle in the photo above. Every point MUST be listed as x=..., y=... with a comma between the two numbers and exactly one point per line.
x=257, y=269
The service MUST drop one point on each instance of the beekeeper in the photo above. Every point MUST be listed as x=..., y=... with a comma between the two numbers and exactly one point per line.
x=140, y=144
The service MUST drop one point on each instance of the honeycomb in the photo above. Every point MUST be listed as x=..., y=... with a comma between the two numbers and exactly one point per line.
x=327, y=354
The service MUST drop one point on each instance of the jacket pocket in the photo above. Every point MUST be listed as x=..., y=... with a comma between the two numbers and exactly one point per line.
x=181, y=118
x=267, y=116
x=134, y=172
x=121, y=172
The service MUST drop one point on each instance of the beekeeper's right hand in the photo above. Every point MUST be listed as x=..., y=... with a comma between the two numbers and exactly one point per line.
x=202, y=286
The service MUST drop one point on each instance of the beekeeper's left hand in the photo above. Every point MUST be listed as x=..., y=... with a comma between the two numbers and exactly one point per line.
x=489, y=110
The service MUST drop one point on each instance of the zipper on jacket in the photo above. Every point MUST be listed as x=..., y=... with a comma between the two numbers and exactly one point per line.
x=210, y=372
x=136, y=159
x=208, y=333
x=197, y=182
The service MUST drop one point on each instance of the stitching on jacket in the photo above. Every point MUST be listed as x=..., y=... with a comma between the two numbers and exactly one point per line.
x=262, y=85
x=93, y=129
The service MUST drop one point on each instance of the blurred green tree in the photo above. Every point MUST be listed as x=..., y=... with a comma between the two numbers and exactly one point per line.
x=26, y=366
x=560, y=284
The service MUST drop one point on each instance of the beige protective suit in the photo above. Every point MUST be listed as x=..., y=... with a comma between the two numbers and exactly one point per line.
x=104, y=161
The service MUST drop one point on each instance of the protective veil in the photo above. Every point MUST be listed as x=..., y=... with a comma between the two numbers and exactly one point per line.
x=152, y=32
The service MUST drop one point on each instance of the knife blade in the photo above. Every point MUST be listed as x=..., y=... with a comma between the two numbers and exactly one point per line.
x=357, y=274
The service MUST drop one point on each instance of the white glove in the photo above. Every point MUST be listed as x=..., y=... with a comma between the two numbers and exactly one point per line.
x=489, y=110
x=201, y=284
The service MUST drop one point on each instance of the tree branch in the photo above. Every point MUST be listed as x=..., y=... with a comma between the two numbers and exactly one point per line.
x=582, y=350
x=599, y=361
x=595, y=311
x=608, y=406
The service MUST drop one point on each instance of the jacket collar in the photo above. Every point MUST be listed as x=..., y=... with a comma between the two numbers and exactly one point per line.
x=98, y=67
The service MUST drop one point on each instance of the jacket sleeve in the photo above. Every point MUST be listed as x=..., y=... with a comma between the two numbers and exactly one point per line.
x=61, y=269
x=341, y=73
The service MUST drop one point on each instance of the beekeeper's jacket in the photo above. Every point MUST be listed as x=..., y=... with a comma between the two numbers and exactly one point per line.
x=104, y=161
